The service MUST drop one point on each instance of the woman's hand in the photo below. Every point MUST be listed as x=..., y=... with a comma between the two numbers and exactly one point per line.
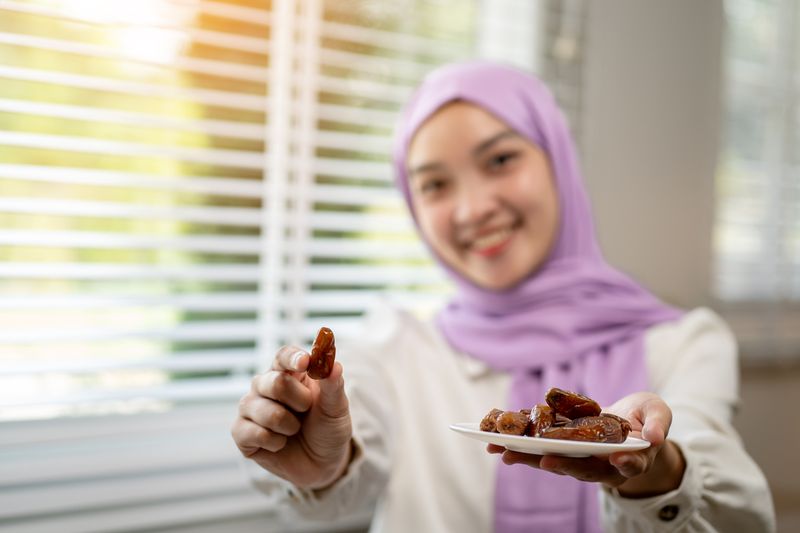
x=638, y=474
x=296, y=427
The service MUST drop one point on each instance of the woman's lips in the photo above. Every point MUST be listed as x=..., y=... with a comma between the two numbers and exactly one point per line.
x=491, y=244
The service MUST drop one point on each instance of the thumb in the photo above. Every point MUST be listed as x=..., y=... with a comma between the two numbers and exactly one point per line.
x=333, y=401
x=657, y=420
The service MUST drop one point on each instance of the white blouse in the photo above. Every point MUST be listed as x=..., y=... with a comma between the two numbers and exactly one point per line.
x=406, y=385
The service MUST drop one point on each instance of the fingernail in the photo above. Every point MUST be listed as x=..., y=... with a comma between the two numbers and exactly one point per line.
x=296, y=359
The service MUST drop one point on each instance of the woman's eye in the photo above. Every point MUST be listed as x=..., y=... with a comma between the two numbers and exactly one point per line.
x=432, y=186
x=501, y=160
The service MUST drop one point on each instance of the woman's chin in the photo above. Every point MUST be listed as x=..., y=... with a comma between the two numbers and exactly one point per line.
x=496, y=281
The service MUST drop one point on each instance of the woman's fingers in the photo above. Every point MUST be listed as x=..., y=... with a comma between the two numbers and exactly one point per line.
x=270, y=415
x=592, y=469
x=250, y=438
x=611, y=471
x=291, y=359
x=631, y=464
x=283, y=387
x=512, y=458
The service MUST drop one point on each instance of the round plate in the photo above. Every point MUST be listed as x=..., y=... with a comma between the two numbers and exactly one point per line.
x=539, y=446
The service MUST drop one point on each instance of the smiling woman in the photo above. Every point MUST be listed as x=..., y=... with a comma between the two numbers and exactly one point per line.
x=487, y=165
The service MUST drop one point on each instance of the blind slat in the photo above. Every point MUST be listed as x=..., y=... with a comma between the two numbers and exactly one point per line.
x=209, y=37
x=368, y=89
x=354, y=115
x=210, y=156
x=360, y=222
x=227, y=216
x=340, y=274
x=365, y=170
x=112, y=178
x=116, y=241
x=225, y=99
x=198, y=66
x=221, y=128
x=193, y=362
x=410, y=43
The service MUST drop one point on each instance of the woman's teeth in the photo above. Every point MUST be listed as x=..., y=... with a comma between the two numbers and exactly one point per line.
x=492, y=239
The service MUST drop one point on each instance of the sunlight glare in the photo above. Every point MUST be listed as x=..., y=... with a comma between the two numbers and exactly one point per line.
x=145, y=32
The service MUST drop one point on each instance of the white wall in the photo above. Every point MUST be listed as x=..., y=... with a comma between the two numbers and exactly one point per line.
x=651, y=113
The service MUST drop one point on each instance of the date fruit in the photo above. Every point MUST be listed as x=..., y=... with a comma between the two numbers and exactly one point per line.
x=585, y=433
x=542, y=417
x=512, y=423
x=566, y=415
x=610, y=428
x=571, y=404
x=323, y=354
x=489, y=422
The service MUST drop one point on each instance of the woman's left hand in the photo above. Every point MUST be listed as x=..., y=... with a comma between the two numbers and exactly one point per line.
x=638, y=474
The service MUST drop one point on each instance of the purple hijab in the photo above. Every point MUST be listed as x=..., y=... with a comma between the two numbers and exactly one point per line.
x=574, y=323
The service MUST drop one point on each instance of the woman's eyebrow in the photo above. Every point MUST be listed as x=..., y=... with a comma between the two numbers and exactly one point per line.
x=485, y=145
x=425, y=167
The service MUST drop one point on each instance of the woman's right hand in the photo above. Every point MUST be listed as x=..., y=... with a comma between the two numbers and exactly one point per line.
x=296, y=427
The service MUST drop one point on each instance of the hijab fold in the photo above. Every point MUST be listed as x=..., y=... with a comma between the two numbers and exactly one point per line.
x=574, y=323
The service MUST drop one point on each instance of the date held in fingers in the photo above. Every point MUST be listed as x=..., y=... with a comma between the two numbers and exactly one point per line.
x=323, y=354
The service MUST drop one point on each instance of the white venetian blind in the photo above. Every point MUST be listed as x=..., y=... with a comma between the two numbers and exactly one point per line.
x=185, y=185
x=131, y=164
x=757, y=240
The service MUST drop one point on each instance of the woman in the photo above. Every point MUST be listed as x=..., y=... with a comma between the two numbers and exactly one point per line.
x=487, y=166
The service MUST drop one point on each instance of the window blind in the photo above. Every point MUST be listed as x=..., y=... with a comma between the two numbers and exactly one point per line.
x=757, y=234
x=131, y=158
x=187, y=184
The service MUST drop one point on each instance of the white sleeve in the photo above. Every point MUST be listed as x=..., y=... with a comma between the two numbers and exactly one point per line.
x=371, y=399
x=693, y=367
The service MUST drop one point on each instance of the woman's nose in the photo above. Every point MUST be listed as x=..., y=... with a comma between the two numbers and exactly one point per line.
x=476, y=202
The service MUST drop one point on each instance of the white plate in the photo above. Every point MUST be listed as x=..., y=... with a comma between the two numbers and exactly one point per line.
x=539, y=446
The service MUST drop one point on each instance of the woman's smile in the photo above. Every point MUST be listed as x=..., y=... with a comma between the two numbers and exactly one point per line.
x=493, y=242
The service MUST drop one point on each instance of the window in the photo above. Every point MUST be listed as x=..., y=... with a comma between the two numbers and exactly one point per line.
x=757, y=238
x=186, y=184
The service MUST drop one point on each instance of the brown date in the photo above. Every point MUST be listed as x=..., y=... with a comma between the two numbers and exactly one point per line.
x=571, y=404
x=542, y=417
x=561, y=420
x=567, y=415
x=610, y=429
x=625, y=425
x=323, y=354
x=585, y=433
x=489, y=422
x=512, y=423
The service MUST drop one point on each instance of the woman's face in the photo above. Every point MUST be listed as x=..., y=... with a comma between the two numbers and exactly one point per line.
x=484, y=196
